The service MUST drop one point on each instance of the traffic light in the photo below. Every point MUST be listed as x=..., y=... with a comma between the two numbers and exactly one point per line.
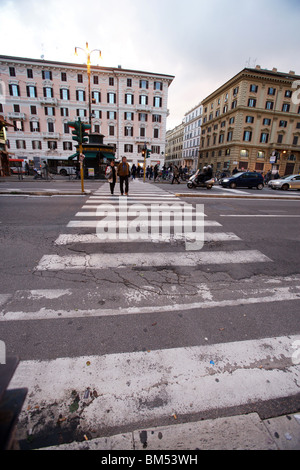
x=148, y=153
x=84, y=135
x=143, y=152
x=79, y=133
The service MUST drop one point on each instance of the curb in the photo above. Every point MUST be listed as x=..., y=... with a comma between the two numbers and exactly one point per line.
x=236, y=196
x=242, y=432
x=16, y=192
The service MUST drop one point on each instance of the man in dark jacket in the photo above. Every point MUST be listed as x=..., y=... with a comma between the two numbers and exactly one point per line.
x=123, y=173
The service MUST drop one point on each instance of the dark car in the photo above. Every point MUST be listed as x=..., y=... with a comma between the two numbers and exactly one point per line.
x=248, y=179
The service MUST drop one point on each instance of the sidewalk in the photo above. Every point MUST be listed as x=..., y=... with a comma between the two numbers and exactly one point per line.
x=243, y=432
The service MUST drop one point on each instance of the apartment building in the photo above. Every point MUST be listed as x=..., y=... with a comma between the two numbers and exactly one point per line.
x=253, y=122
x=174, y=146
x=191, y=140
x=39, y=97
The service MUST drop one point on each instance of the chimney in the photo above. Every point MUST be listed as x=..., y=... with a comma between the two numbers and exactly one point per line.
x=258, y=67
x=291, y=72
x=274, y=69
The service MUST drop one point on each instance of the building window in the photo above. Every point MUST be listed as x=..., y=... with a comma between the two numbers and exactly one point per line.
x=111, y=81
x=34, y=126
x=80, y=95
x=231, y=120
x=295, y=140
x=49, y=111
x=129, y=98
x=264, y=137
x=279, y=138
x=20, y=144
x=144, y=100
x=48, y=92
x=128, y=131
x=252, y=103
x=111, y=115
x=36, y=145
x=155, y=149
x=96, y=96
x=267, y=122
x=33, y=110
x=286, y=107
x=67, y=145
x=229, y=136
x=111, y=130
x=271, y=91
x=250, y=119
x=142, y=132
x=269, y=104
x=29, y=73
x=247, y=136
x=12, y=72
x=64, y=94
x=158, y=86
x=95, y=79
x=282, y=123
x=156, y=133
x=52, y=145
x=221, y=138
x=50, y=127
x=31, y=91
x=79, y=78
x=144, y=84
x=129, y=84
x=128, y=116
x=14, y=90
x=63, y=76
x=111, y=98
x=64, y=112
x=234, y=104
x=81, y=112
x=156, y=118
x=288, y=93
x=157, y=102
x=46, y=75
x=253, y=88
x=128, y=148
x=143, y=117
x=97, y=114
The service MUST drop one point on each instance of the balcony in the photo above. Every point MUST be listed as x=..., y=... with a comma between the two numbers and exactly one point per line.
x=144, y=108
x=14, y=116
x=50, y=135
x=48, y=101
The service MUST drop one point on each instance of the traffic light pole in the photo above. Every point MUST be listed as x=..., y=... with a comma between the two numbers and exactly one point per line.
x=145, y=155
x=81, y=158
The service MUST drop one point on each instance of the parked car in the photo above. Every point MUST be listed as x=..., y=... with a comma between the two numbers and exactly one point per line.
x=286, y=182
x=246, y=179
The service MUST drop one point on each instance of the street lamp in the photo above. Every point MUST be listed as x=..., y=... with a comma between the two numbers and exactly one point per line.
x=88, y=54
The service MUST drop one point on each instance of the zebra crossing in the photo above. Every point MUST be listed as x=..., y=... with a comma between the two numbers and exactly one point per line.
x=129, y=388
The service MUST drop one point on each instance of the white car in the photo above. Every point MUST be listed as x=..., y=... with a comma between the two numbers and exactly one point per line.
x=286, y=182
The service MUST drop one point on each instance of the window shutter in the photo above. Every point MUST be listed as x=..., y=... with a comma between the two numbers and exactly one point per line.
x=27, y=90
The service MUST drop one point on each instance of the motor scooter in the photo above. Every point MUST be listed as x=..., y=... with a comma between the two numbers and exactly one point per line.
x=194, y=183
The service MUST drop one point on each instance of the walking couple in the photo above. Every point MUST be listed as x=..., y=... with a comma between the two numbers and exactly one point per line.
x=122, y=171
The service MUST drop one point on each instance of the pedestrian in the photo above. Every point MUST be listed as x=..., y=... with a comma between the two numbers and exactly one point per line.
x=123, y=173
x=133, y=171
x=155, y=171
x=111, y=176
x=235, y=171
x=175, y=175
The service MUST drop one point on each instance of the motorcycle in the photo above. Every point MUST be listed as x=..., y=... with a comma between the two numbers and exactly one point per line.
x=194, y=183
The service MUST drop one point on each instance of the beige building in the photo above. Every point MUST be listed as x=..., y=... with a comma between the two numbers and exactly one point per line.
x=174, y=146
x=128, y=107
x=253, y=122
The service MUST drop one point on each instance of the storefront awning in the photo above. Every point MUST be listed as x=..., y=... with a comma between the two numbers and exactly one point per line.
x=108, y=155
x=73, y=156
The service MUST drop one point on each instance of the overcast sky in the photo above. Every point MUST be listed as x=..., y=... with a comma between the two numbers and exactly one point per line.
x=203, y=43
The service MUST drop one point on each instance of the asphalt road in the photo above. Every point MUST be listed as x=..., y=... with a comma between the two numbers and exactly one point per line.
x=49, y=314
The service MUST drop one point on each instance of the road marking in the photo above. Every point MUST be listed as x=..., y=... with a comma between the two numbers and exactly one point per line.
x=122, y=224
x=65, y=239
x=125, y=260
x=138, y=386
